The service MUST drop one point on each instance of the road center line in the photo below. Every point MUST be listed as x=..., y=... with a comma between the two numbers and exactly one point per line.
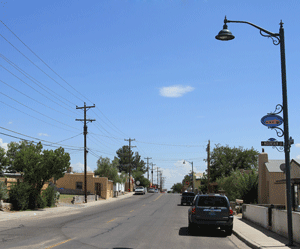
x=131, y=211
x=158, y=197
x=58, y=244
x=111, y=220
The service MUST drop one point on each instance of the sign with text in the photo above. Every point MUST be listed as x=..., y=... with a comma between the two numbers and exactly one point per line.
x=271, y=143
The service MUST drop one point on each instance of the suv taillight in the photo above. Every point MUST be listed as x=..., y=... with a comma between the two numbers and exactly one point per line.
x=194, y=210
x=230, y=211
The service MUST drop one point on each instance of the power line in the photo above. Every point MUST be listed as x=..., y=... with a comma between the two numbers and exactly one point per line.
x=36, y=111
x=58, y=143
x=35, y=117
x=38, y=83
x=50, y=69
x=34, y=99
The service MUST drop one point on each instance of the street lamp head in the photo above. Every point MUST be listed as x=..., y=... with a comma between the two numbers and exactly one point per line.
x=225, y=34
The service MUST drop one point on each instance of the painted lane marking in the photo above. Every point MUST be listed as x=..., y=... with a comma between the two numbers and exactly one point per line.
x=111, y=220
x=158, y=197
x=58, y=244
x=131, y=211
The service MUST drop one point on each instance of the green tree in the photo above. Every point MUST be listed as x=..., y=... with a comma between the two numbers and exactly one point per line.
x=126, y=157
x=177, y=187
x=3, y=159
x=224, y=160
x=107, y=169
x=37, y=166
x=139, y=176
x=240, y=185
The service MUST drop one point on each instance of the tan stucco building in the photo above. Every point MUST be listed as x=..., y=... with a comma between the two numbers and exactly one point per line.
x=270, y=191
x=95, y=185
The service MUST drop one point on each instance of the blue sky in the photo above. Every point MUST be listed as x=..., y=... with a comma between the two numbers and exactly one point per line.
x=155, y=72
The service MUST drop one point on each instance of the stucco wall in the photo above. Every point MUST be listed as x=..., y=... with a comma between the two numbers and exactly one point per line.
x=262, y=185
x=256, y=214
x=260, y=216
x=69, y=182
x=276, y=191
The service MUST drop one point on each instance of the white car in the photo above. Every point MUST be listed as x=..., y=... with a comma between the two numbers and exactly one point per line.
x=140, y=190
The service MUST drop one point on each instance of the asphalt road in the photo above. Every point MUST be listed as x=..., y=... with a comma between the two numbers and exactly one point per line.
x=145, y=221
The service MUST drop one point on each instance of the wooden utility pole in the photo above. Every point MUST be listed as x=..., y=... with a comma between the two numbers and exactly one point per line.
x=208, y=167
x=130, y=160
x=85, y=150
x=148, y=166
x=152, y=173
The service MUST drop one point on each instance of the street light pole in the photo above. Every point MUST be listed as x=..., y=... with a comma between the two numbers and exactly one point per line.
x=192, y=172
x=277, y=38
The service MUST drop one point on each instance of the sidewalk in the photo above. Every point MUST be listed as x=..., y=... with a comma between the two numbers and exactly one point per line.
x=60, y=209
x=256, y=236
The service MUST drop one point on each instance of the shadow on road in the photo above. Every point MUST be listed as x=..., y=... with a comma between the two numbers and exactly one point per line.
x=204, y=232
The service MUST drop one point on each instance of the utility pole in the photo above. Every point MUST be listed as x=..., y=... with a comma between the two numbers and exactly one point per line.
x=161, y=180
x=208, y=166
x=85, y=150
x=148, y=166
x=157, y=176
x=152, y=173
x=130, y=160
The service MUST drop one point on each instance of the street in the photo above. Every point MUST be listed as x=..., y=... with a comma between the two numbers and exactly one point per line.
x=140, y=221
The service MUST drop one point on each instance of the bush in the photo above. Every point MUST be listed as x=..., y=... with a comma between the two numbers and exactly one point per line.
x=19, y=195
x=49, y=196
x=3, y=191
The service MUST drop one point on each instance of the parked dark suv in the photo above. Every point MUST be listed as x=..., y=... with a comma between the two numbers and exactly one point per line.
x=210, y=210
x=187, y=198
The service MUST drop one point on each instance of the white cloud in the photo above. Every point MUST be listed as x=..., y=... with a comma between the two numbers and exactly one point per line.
x=10, y=122
x=176, y=174
x=297, y=145
x=298, y=157
x=43, y=134
x=175, y=91
x=79, y=167
x=3, y=145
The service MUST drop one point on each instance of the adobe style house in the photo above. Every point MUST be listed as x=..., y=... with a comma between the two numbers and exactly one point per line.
x=95, y=185
x=272, y=181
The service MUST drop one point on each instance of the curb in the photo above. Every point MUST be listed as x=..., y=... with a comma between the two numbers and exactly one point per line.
x=248, y=242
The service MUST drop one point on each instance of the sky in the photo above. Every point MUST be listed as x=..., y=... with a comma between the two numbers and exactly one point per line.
x=155, y=73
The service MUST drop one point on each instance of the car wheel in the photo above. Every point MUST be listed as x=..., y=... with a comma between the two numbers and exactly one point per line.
x=228, y=230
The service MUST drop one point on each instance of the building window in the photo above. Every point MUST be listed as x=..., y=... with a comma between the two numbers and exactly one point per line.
x=78, y=185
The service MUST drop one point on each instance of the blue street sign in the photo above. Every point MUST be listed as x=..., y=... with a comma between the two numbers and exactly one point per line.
x=272, y=120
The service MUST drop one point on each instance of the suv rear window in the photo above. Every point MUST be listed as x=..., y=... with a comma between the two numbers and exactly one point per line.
x=212, y=201
x=188, y=194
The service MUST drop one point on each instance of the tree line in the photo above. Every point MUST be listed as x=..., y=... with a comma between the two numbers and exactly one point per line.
x=235, y=170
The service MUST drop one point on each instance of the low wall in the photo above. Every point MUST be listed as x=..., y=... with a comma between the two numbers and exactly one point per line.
x=256, y=214
x=72, y=191
x=278, y=219
x=80, y=199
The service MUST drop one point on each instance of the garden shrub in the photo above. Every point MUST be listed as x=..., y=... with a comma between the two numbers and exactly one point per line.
x=3, y=191
x=19, y=195
x=49, y=196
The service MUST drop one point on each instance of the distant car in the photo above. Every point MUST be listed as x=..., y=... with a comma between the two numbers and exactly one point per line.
x=187, y=198
x=151, y=190
x=156, y=190
x=140, y=190
x=210, y=210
